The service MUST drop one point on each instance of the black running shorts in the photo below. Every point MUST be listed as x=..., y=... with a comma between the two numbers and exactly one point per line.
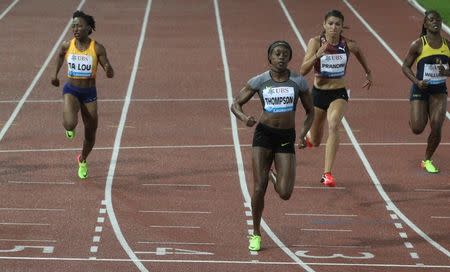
x=418, y=94
x=278, y=140
x=323, y=98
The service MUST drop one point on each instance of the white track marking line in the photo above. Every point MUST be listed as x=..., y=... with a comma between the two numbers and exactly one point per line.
x=237, y=149
x=319, y=187
x=176, y=185
x=327, y=230
x=408, y=245
x=181, y=261
x=176, y=212
x=176, y=243
x=381, y=40
x=432, y=190
x=8, y=9
x=190, y=100
x=364, y=159
x=14, y=114
x=174, y=227
x=115, y=154
x=321, y=215
x=40, y=182
x=33, y=209
x=330, y=246
x=28, y=240
x=23, y=224
x=202, y=147
x=440, y=217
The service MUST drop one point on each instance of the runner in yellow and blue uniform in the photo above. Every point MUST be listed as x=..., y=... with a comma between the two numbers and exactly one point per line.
x=273, y=142
x=82, y=55
x=429, y=91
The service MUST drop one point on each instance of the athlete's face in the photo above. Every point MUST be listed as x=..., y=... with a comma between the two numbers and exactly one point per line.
x=333, y=26
x=433, y=22
x=279, y=58
x=80, y=28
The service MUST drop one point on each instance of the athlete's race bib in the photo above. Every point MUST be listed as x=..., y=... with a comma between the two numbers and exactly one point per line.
x=333, y=65
x=278, y=99
x=79, y=65
x=431, y=74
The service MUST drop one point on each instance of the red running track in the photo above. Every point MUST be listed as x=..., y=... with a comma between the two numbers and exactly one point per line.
x=165, y=193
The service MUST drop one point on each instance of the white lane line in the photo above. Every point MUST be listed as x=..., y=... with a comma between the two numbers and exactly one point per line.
x=215, y=261
x=432, y=190
x=237, y=149
x=14, y=114
x=408, y=245
x=381, y=40
x=354, y=99
x=201, y=147
x=319, y=187
x=398, y=225
x=176, y=212
x=33, y=209
x=94, y=249
x=321, y=214
x=331, y=246
x=28, y=240
x=176, y=185
x=23, y=224
x=41, y=182
x=363, y=157
x=162, y=251
x=248, y=214
x=174, y=227
x=440, y=217
x=327, y=230
x=366, y=163
x=98, y=229
x=414, y=255
x=176, y=243
x=8, y=9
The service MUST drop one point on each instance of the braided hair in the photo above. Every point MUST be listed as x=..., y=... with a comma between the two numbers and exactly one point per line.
x=279, y=43
x=428, y=12
x=87, y=18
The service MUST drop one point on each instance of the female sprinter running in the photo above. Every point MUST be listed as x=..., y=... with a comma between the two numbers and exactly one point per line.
x=279, y=90
x=82, y=55
x=328, y=54
x=428, y=97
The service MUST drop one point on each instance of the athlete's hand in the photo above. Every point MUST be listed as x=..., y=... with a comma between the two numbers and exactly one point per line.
x=369, y=81
x=109, y=71
x=302, y=144
x=55, y=81
x=442, y=70
x=321, y=50
x=250, y=121
x=422, y=84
